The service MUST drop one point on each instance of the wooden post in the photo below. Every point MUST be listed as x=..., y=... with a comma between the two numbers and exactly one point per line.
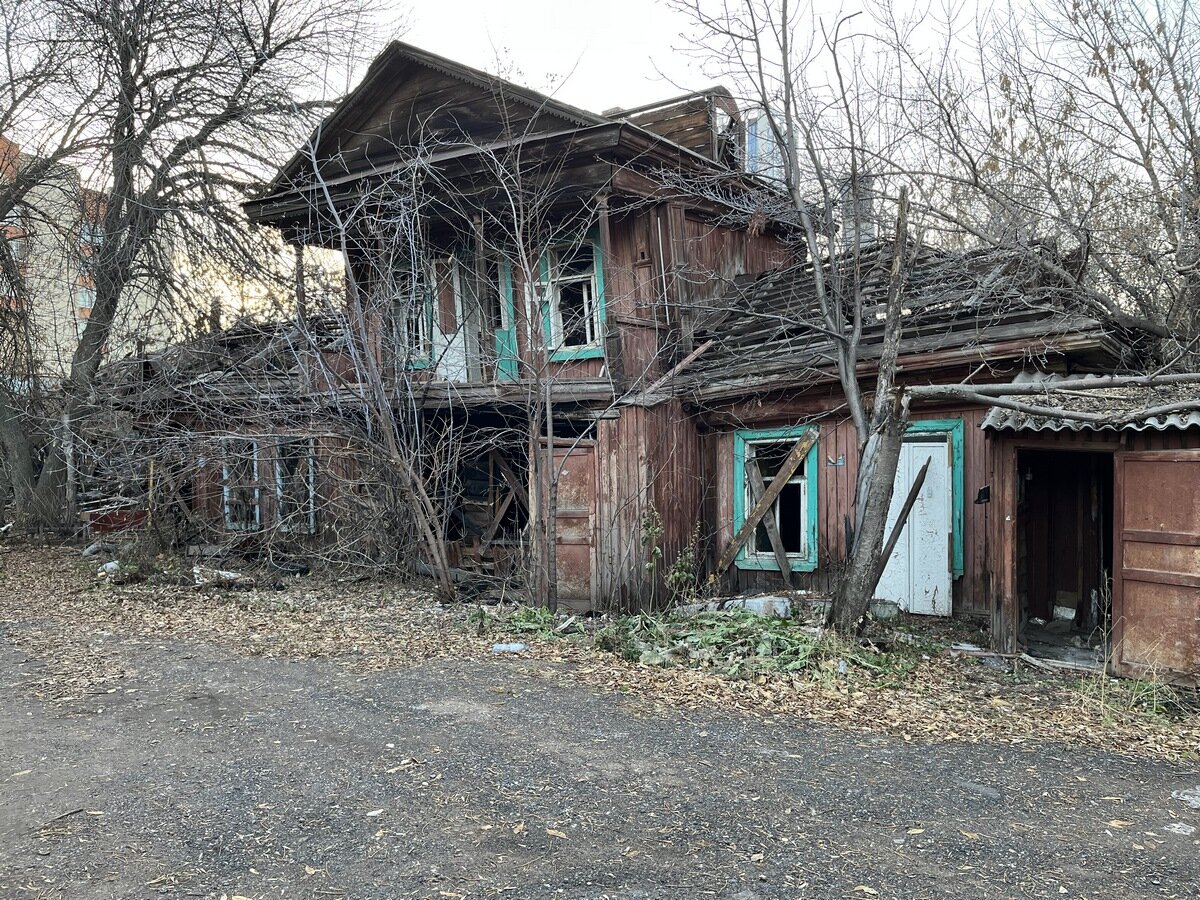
x=613, y=353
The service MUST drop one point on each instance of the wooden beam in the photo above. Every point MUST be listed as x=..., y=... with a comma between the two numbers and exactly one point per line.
x=490, y=534
x=774, y=489
x=512, y=480
x=757, y=489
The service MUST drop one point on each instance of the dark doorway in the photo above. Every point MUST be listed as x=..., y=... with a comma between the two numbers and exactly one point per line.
x=1064, y=520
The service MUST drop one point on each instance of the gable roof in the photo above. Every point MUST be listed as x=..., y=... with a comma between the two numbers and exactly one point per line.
x=379, y=86
x=958, y=307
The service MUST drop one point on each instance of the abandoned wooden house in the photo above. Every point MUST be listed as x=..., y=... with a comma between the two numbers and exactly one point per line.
x=554, y=269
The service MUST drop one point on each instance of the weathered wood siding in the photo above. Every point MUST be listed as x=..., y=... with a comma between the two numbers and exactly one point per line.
x=647, y=458
x=835, y=487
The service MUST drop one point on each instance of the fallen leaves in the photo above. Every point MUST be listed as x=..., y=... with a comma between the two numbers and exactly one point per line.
x=75, y=628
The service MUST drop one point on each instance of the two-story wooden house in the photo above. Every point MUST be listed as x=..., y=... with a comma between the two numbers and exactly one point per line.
x=514, y=255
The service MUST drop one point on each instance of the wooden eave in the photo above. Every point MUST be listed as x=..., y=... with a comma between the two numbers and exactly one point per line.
x=610, y=155
x=918, y=359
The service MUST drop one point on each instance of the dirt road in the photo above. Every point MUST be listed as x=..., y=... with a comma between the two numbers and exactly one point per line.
x=207, y=773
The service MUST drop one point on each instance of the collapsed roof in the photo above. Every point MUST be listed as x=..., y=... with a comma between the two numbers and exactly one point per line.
x=768, y=331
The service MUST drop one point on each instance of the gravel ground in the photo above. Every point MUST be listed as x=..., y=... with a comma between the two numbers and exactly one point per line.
x=205, y=772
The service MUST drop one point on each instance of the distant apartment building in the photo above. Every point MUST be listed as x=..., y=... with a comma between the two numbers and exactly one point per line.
x=47, y=289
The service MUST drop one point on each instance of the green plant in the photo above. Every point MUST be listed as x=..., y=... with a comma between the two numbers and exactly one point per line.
x=652, y=532
x=740, y=644
x=683, y=575
x=533, y=621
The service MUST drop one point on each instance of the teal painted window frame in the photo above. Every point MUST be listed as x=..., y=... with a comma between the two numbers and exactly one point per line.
x=592, y=351
x=507, y=352
x=955, y=432
x=743, y=437
x=414, y=362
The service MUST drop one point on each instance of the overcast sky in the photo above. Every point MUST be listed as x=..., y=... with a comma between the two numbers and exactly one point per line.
x=594, y=55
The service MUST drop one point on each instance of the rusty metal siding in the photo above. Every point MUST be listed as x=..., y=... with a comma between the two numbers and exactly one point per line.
x=1156, y=591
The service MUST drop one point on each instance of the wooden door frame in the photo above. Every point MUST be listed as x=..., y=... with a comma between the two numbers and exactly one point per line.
x=1006, y=612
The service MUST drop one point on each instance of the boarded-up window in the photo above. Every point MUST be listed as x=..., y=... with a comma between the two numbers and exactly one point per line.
x=790, y=510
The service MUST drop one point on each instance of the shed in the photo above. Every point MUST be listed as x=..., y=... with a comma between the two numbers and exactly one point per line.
x=1100, y=520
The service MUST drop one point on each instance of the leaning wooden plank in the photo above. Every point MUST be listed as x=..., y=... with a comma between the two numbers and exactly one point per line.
x=497, y=519
x=774, y=489
x=757, y=489
x=514, y=483
x=902, y=517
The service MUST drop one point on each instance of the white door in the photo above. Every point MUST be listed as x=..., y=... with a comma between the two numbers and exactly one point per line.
x=917, y=576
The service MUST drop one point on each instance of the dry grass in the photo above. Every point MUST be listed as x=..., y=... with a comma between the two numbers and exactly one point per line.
x=53, y=608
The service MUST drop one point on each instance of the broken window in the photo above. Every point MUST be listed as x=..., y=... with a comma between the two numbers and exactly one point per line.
x=792, y=514
x=571, y=292
x=295, y=485
x=240, y=485
x=411, y=308
x=492, y=296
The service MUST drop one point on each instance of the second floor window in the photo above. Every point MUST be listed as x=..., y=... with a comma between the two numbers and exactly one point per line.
x=411, y=308
x=91, y=234
x=571, y=295
x=85, y=297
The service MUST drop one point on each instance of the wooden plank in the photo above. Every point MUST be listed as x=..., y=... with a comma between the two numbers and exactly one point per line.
x=757, y=489
x=490, y=534
x=510, y=477
x=789, y=467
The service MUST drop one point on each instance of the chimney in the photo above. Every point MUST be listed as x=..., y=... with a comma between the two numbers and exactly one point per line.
x=859, y=219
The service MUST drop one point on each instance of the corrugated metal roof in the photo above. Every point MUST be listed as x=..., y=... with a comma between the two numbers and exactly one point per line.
x=1116, y=403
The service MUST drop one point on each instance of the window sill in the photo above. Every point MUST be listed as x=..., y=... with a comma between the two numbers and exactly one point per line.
x=798, y=564
x=568, y=353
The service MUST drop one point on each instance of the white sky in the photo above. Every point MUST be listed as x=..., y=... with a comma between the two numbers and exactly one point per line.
x=595, y=55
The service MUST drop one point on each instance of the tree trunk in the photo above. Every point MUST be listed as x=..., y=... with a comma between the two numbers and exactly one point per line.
x=879, y=454
x=877, y=478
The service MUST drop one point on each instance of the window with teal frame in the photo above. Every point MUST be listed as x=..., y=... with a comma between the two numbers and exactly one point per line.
x=953, y=430
x=794, y=511
x=572, y=278
x=410, y=313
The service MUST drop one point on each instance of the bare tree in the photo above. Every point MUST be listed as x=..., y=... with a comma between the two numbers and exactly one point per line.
x=829, y=132
x=1070, y=124
x=174, y=108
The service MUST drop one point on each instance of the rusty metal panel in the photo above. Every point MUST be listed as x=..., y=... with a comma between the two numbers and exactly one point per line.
x=1156, y=588
x=576, y=503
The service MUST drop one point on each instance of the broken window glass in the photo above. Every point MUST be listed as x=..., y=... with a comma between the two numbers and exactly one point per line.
x=240, y=484
x=295, y=485
x=790, y=509
x=574, y=313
